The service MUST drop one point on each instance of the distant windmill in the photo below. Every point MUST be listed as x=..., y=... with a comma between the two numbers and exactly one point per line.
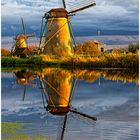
x=57, y=30
x=20, y=42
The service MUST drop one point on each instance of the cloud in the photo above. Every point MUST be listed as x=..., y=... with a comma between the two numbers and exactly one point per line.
x=106, y=15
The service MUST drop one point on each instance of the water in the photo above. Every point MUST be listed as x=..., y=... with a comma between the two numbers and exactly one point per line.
x=109, y=95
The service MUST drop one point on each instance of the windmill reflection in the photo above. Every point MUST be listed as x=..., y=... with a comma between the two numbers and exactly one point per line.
x=58, y=88
x=24, y=78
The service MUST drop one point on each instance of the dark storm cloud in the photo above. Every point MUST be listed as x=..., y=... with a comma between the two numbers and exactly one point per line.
x=106, y=15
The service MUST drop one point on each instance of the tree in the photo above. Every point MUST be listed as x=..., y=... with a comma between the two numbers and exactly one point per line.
x=5, y=52
x=92, y=48
x=133, y=47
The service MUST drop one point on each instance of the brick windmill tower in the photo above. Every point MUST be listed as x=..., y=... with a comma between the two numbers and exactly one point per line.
x=57, y=33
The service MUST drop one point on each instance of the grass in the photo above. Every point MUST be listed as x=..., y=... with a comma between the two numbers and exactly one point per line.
x=91, y=59
x=86, y=55
x=11, y=131
x=11, y=61
x=104, y=60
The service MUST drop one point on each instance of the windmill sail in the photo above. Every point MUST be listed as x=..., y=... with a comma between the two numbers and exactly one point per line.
x=80, y=5
x=30, y=35
x=23, y=26
x=62, y=3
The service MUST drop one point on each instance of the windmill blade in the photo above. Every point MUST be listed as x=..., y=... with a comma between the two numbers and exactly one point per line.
x=72, y=35
x=23, y=26
x=30, y=35
x=24, y=31
x=41, y=32
x=81, y=5
x=83, y=114
x=72, y=91
x=62, y=132
x=43, y=92
x=43, y=87
x=25, y=88
x=62, y=3
x=14, y=42
x=13, y=48
x=42, y=95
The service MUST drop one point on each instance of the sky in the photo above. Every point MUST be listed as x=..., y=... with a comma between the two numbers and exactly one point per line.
x=111, y=17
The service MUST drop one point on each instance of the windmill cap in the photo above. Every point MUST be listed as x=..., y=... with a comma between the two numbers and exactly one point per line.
x=22, y=81
x=19, y=36
x=58, y=13
x=95, y=41
x=60, y=111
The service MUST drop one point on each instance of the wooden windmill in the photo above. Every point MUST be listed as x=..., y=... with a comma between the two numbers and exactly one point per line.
x=57, y=29
x=20, y=42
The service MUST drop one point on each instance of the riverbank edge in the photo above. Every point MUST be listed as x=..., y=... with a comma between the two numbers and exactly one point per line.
x=90, y=63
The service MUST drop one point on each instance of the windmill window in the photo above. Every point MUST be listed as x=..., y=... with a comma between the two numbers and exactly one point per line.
x=57, y=44
x=57, y=35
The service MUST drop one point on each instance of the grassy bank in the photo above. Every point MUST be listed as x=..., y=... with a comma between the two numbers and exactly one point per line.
x=16, y=61
x=104, y=60
x=14, y=131
x=86, y=55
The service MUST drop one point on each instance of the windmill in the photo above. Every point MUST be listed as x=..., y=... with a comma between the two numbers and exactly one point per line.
x=57, y=31
x=57, y=97
x=20, y=42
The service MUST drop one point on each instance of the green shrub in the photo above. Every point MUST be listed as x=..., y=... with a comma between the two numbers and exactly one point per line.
x=133, y=47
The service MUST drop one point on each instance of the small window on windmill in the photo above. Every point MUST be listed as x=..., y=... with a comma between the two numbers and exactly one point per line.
x=57, y=35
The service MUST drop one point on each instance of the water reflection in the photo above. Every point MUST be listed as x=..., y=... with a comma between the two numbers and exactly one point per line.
x=24, y=77
x=58, y=88
x=58, y=85
x=57, y=92
x=125, y=75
